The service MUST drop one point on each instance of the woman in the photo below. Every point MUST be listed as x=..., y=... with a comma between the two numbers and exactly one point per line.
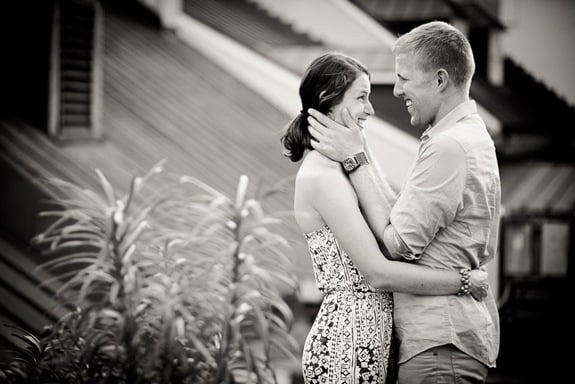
x=349, y=341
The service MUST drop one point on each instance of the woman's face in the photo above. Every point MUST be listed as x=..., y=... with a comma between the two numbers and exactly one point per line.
x=356, y=100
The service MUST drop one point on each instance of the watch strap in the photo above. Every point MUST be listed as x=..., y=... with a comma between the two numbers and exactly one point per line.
x=361, y=158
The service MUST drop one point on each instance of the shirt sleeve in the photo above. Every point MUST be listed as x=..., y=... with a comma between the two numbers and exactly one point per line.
x=430, y=199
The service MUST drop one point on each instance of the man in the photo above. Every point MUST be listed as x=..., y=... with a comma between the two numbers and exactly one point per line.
x=446, y=215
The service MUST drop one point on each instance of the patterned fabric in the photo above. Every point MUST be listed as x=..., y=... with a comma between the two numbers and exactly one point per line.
x=349, y=341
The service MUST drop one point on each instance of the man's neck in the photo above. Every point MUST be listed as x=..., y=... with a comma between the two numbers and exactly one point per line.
x=451, y=101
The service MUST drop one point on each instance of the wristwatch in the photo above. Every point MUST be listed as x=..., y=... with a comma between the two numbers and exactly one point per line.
x=351, y=163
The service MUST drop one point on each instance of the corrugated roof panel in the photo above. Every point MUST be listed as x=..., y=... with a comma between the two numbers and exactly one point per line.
x=406, y=10
x=177, y=104
x=538, y=187
x=565, y=200
x=553, y=187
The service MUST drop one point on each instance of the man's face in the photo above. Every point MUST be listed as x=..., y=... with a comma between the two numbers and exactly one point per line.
x=356, y=99
x=418, y=89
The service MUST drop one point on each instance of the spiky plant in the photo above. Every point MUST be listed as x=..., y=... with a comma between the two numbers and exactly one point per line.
x=172, y=282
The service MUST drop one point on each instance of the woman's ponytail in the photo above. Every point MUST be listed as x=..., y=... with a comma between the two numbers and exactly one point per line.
x=296, y=138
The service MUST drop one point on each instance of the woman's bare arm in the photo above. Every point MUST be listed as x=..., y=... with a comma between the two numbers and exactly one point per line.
x=335, y=200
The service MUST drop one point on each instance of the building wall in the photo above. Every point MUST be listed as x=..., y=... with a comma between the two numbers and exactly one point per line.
x=540, y=39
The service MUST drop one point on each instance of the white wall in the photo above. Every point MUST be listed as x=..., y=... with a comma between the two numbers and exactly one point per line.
x=541, y=38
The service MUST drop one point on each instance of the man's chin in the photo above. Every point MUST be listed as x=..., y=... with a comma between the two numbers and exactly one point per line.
x=415, y=123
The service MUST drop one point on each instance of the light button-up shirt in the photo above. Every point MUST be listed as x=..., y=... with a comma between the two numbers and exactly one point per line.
x=447, y=217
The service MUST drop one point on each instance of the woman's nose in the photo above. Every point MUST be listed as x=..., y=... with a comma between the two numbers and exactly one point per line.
x=369, y=108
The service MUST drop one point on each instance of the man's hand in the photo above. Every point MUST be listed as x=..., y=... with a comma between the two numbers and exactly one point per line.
x=478, y=284
x=332, y=139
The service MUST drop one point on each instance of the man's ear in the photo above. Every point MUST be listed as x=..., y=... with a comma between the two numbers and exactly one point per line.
x=441, y=77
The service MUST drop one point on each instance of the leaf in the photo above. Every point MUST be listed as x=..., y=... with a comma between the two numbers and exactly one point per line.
x=283, y=309
x=156, y=169
x=25, y=336
x=133, y=236
x=241, y=191
x=61, y=277
x=107, y=187
x=90, y=277
x=247, y=355
x=134, y=189
x=276, y=278
x=201, y=348
x=113, y=293
x=64, y=261
x=262, y=325
x=277, y=322
x=63, y=217
x=285, y=350
x=201, y=184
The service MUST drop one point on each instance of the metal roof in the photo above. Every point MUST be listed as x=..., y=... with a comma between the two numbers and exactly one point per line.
x=538, y=187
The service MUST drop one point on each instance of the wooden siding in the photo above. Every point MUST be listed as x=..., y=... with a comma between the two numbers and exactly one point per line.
x=162, y=100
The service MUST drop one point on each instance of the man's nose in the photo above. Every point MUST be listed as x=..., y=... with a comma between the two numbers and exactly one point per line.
x=397, y=90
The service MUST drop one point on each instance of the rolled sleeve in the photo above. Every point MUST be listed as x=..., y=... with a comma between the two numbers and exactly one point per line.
x=396, y=245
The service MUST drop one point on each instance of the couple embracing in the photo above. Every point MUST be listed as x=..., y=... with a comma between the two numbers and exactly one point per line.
x=398, y=268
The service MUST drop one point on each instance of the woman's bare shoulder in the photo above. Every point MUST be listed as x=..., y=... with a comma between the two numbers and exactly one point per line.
x=316, y=175
x=316, y=166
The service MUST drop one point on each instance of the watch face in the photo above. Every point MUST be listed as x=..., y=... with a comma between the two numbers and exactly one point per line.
x=349, y=164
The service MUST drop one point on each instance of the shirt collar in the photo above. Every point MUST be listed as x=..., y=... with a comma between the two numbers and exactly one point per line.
x=464, y=109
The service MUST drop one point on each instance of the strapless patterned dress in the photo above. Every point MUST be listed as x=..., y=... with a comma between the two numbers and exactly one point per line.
x=349, y=341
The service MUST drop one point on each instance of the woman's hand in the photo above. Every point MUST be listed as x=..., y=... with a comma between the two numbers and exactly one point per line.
x=478, y=284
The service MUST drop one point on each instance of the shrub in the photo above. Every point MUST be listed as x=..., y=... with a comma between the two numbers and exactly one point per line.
x=171, y=282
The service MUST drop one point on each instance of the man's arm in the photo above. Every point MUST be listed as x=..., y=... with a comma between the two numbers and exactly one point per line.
x=334, y=199
x=376, y=200
x=375, y=194
x=430, y=199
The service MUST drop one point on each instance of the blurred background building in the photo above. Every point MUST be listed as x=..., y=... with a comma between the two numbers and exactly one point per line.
x=209, y=84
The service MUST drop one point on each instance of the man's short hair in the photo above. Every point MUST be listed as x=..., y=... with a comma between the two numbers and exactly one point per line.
x=440, y=45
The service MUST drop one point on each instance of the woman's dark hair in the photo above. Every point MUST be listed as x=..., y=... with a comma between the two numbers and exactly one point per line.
x=323, y=86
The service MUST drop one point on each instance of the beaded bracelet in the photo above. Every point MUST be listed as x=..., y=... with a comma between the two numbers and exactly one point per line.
x=465, y=289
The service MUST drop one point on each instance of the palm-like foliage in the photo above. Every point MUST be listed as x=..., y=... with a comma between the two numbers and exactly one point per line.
x=172, y=283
